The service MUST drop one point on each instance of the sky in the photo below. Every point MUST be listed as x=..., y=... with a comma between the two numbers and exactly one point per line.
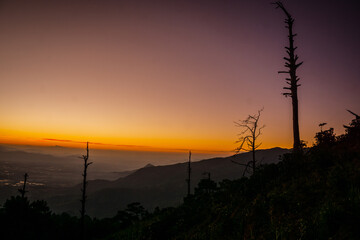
x=171, y=75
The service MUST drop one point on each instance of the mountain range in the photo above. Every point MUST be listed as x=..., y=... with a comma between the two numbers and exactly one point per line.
x=154, y=186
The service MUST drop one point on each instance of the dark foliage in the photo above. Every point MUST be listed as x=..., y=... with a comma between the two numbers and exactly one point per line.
x=309, y=195
x=325, y=138
x=20, y=219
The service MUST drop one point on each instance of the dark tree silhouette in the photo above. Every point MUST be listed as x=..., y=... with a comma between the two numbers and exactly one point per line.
x=353, y=130
x=23, y=189
x=189, y=175
x=292, y=65
x=321, y=125
x=355, y=123
x=206, y=185
x=248, y=139
x=134, y=212
x=325, y=138
x=83, y=190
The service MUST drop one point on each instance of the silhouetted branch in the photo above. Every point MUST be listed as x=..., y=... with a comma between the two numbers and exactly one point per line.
x=248, y=137
x=356, y=116
x=23, y=189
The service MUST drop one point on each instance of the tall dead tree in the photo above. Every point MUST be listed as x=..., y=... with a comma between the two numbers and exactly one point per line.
x=23, y=189
x=189, y=174
x=248, y=139
x=83, y=190
x=292, y=65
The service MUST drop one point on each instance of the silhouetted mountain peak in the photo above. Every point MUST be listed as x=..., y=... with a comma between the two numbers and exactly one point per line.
x=148, y=165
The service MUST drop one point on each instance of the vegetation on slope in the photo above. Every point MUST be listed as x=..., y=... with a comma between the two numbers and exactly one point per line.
x=309, y=195
x=312, y=195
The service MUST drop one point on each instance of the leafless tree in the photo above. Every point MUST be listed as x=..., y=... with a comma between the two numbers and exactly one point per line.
x=352, y=130
x=357, y=117
x=83, y=189
x=292, y=65
x=23, y=189
x=248, y=139
x=189, y=175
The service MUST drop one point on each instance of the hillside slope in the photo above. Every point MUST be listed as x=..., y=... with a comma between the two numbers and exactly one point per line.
x=155, y=186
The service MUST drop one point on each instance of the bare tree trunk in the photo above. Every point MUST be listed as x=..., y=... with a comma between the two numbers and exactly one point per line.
x=253, y=148
x=253, y=161
x=292, y=65
x=83, y=191
x=23, y=189
x=189, y=175
x=296, y=131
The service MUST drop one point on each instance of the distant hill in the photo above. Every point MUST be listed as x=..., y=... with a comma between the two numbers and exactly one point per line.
x=48, y=174
x=43, y=169
x=154, y=186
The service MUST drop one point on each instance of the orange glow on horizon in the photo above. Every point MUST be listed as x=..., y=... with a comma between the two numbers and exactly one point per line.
x=158, y=145
x=98, y=145
x=148, y=77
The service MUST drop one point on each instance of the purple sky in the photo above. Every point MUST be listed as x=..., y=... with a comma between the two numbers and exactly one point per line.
x=172, y=74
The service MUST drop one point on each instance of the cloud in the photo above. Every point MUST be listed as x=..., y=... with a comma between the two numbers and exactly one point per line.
x=61, y=140
x=96, y=143
x=137, y=147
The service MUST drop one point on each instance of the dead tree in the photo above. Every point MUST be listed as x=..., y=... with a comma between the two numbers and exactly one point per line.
x=83, y=190
x=248, y=139
x=357, y=117
x=189, y=174
x=353, y=130
x=23, y=189
x=292, y=65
